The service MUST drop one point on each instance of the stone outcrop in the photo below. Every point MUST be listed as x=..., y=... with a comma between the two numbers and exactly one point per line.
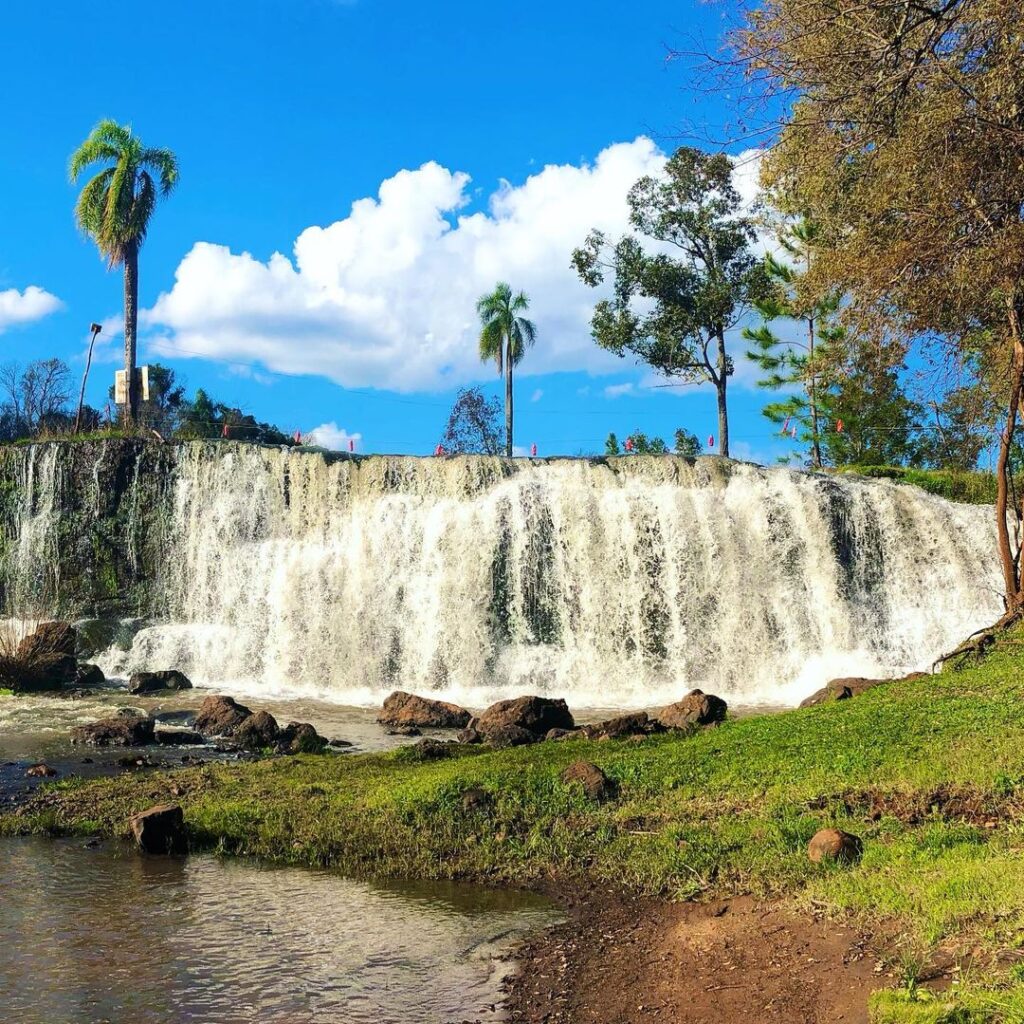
x=403, y=709
x=847, y=687
x=44, y=660
x=120, y=731
x=257, y=732
x=507, y=722
x=158, y=682
x=300, y=738
x=89, y=675
x=696, y=709
x=220, y=716
x=638, y=723
x=160, y=829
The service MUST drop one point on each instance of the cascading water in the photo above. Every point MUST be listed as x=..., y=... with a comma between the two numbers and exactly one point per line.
x=611, y=583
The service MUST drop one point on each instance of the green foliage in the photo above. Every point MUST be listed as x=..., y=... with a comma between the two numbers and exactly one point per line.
x=474, y=425
x=686, y=443
x=971, y=488
x=116, y=205
x=611, y=445
x=204, y=417
x=673, y=312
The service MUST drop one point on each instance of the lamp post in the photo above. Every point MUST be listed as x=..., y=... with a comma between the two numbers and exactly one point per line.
x=95, y=328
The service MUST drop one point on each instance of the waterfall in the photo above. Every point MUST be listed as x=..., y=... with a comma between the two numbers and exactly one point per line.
x=618, y=582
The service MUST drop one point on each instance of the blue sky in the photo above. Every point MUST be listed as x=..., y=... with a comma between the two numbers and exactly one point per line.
x=478, y=142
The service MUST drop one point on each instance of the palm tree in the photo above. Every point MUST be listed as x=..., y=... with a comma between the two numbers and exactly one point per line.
x=114, y=209
x=505, y=337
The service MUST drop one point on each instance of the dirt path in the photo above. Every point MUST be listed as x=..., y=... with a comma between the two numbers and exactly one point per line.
x=725, y=962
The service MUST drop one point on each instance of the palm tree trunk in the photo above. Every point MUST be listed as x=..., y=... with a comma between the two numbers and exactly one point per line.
x=508, y=401
x=721, y=386
x=131, y=322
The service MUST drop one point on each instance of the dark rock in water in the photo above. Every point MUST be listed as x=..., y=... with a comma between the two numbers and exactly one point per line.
x=257, y=732
x=156, y=682
x=695, y=709
x=844, y=689
x=504, y=736
x=184, y=717
x=300, y=738
x=403, y=730
x=41, y=771
x=597, y=786
x=476, y=800
x=135, y=762
x=89, y=675
x=120, y=731
x=832, y=844
x=537, y=715
x=220, y=716
x=470, y=734
x=160, y=829
x=402, y=709
x=341, y=744
x=178, y=738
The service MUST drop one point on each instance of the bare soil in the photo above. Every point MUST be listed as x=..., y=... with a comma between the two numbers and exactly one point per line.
x=622, y=963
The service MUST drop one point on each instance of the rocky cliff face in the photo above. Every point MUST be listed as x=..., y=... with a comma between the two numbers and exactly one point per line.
x=83, y=526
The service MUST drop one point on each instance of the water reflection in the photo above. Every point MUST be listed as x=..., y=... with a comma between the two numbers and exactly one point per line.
x=107, y=936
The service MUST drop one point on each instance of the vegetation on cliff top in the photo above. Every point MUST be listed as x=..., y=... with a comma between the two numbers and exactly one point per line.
x=928, y=772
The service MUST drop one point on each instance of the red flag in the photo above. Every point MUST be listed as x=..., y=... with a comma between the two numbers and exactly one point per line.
x=533, y=451
x=351, y=445
x=839, y=426
x=224, y=431
x=711, y=440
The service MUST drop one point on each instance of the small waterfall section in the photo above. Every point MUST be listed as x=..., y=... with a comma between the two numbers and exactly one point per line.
x=610, y=582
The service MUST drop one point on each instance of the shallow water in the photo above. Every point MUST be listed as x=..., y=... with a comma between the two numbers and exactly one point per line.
x=105, y=935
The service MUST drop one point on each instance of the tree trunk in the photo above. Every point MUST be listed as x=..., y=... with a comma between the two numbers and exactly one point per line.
x=131, y=322
x=812, y=394
x=721, y=385
x=508, y=400
x=1008, y=558
x=85, y=380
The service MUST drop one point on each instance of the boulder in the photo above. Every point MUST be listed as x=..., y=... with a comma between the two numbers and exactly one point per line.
x=832, y=844
x=119, y=731
x=257, y=732
x=41, y=771
x=597, y=786
x=695, y=709
x=407, y=709
x=220, y=716
x=179, y=738
x=431, y=749
x=471, y=734
x=562, y=734
x=160, y=829
x=300, y=738
x=503, y=736
x=156, y=682
x=403, y=730
x=89, y=675
x=639, y=723
x=537, y=715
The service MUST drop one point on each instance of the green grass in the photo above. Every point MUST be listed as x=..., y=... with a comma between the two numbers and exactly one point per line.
x=972, y=488
x=929, y=772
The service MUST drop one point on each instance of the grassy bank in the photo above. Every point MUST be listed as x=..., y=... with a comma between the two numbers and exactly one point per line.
x=971, y=488
x=929, y=772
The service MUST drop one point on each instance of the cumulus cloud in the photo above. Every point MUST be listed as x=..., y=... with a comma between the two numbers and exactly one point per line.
x=333, y=437
x=385, y=296
x=23, y=307
x=618, y=390
x=537, y=395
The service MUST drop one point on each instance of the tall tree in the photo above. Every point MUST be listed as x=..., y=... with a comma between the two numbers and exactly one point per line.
x=904, y=139
x=674, y=312
x=115, y=207
x=794, y=361
x=474, y=425
x=505, y=335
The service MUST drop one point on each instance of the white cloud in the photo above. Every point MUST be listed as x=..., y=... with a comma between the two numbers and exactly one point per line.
x=537, y=395
x=33, y=303
x=385, y=297
x=333, y=437
x=618, y=390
